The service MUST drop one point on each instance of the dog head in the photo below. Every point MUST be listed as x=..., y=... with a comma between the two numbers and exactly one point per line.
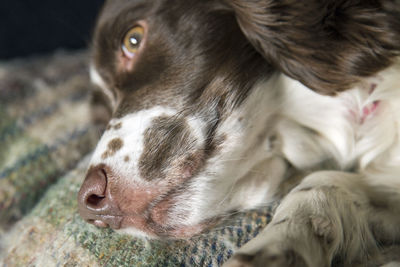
x=194, y=90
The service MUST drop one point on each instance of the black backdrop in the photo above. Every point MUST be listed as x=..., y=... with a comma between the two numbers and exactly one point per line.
x=29, y=27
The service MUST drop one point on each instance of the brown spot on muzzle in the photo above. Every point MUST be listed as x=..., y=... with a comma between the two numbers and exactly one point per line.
x=118, y=126
x=169, y=146
x=114, y=127
x=113, y=146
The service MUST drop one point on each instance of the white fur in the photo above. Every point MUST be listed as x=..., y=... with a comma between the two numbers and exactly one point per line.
x=341, y=134
x=98, y=80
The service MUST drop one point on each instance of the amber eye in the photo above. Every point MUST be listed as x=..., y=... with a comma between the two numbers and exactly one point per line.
x=132, y=40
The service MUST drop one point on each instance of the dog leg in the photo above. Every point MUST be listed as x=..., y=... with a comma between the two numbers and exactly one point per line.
x=326, y=215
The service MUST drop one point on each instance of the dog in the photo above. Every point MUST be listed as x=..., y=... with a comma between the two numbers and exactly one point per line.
x=216, y=106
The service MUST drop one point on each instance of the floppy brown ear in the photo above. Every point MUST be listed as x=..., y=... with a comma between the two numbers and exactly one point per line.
x=328, y=45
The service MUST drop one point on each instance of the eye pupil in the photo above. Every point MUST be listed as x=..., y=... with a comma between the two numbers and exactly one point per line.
x=134, y=40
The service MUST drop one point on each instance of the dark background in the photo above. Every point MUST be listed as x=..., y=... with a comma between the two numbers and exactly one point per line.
x=31, y=27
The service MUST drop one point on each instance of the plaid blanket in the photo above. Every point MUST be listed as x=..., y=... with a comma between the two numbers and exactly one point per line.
x=46, y=137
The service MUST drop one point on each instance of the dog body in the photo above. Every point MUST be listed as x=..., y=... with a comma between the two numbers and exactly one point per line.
x=222, y=106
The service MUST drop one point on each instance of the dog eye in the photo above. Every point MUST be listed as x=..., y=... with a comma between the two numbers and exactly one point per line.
x=132, y=40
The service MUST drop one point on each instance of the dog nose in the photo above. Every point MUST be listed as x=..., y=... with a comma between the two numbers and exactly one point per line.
x=95, y=203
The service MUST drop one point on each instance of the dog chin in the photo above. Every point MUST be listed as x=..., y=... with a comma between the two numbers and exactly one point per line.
x=176, y=232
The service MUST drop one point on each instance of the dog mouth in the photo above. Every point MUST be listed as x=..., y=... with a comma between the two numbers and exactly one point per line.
x=157, y=219
x=149, y=228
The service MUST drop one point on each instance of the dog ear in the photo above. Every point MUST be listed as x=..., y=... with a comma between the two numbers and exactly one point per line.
x=327, y=45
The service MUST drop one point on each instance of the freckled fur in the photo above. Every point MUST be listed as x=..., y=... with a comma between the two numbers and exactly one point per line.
x=113, y=146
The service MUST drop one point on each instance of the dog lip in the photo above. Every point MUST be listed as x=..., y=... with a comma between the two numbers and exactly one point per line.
x=104, y=221
x=160, y=231
x=100, y=223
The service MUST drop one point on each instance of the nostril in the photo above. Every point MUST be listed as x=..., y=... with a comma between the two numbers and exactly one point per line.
x=92, y=195
x=94, y=201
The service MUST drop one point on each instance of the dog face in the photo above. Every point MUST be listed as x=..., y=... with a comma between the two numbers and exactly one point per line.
x=194, y=92
x=175, y=98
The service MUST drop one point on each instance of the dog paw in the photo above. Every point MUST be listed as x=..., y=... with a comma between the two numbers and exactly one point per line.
x=267, y=257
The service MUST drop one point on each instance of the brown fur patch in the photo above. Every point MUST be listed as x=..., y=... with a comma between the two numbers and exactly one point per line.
x=105, y=155
x=115, y=127
x=327, y=45
x=113, y=146
x=118, y=126
x=168, y=145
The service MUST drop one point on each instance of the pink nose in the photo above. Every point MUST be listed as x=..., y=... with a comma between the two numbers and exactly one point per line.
x=95, y=203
